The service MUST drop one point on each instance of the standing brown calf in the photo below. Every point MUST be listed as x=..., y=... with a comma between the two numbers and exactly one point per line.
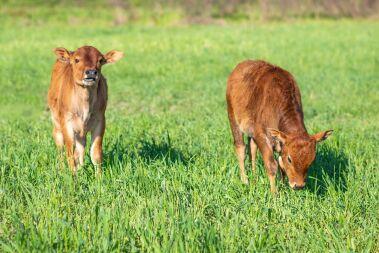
x=264, y=103
x=77, y=100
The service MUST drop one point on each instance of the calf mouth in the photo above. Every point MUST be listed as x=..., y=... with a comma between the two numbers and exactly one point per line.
x=89, y=81
x=295, y=186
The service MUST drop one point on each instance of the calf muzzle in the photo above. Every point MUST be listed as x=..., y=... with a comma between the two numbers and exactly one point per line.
x=298, y=187
x=90, y=77
x=91, y=72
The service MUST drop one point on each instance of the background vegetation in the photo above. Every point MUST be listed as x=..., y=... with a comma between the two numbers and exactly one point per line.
x=170, y=178
x=179, y=12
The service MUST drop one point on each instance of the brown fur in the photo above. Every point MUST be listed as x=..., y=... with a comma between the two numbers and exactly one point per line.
x=77, y=106
x=264, y=103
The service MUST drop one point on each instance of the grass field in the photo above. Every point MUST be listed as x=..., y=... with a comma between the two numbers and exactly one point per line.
x=171, y=179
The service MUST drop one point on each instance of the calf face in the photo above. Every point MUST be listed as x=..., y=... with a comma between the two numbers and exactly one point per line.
x=86, y=63
x=296, y=154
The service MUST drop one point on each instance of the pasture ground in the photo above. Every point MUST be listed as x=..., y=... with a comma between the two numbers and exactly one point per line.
x=171, y=179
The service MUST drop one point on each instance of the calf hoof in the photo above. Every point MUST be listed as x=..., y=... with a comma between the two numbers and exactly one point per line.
x=274, y=191
x=244, y=180
x=74, y=171
x=98, y=171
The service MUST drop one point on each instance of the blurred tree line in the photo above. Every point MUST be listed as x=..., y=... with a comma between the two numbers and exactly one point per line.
x=268, y=9
x=206, y=10
x=320, y=8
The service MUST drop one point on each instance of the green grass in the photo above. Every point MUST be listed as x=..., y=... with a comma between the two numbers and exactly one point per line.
x=171, y=179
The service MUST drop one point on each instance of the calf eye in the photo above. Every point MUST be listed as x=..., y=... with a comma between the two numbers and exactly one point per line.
x=289, y=159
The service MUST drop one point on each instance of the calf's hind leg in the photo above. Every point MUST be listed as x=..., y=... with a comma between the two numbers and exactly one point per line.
x=239, y=147
x=253, y=153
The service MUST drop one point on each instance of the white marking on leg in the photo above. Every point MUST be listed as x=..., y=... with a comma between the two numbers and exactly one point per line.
x=92, y=153
x=268, y=142
x=70, y=129
x=79, y=151
x=281, y=164
x=58, y=137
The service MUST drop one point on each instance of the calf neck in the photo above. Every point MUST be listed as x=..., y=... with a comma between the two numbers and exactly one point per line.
x=264, y=102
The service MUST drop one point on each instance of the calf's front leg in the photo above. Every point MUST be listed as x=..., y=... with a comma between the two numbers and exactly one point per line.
x=59, y=141
x=96, y=145
x=68, y=139
x=269, y=161
x=80, y=145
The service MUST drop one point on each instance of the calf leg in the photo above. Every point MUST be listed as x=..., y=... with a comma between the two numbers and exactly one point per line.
x=239, y=147
x=68, y=137
x=269, y=161
x=96, y=145
x=58, y=139
x=281, y=169
x=253, y=153
x=240, y=151
x=80, y=145
x=282, y=175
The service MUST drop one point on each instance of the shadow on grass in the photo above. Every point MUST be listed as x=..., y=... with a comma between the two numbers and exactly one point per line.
x=152, y=151
x=329, y=169
x=147, y=150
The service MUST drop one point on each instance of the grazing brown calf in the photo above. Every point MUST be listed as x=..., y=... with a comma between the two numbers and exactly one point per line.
x=264, y=103
x=77, y=100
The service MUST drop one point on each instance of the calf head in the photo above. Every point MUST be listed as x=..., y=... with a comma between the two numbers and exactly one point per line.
x=86, y=63
x=297, y=152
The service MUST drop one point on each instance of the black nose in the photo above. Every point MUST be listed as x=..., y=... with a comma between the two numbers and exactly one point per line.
x=298, y=187
x=91, y=72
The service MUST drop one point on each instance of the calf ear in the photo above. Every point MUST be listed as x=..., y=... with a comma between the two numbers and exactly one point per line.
x=321, y=136
x=62, y=54
x=277, y=136
x=113, y=56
